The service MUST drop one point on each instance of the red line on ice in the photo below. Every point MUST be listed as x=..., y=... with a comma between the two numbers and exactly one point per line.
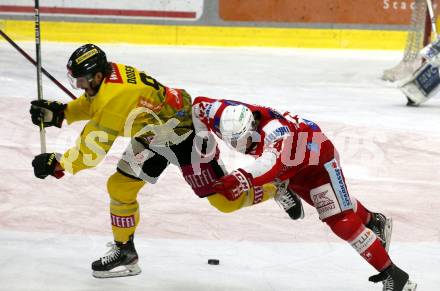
x=100, y=12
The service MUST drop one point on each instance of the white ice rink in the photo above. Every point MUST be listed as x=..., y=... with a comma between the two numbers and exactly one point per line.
x=51, y=230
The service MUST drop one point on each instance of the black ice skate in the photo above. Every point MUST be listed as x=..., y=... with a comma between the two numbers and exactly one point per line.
x=289, y=201
x=394, y=279
x=119, y=261
x=382, y=227
x=411, y=103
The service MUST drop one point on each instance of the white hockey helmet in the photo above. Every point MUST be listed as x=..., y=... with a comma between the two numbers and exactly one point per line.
x=236, y=123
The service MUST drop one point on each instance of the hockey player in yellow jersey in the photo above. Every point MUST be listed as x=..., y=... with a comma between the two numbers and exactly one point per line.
x=120, y=100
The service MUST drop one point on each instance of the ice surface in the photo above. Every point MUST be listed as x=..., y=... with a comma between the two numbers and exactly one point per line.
x=51, y=230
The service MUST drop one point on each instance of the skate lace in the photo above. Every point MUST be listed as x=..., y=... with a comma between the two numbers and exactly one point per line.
x=388, y=282
x=112, y=254
x=378, y=233
x=380, y=220
x=285, y=200
x=378, y=224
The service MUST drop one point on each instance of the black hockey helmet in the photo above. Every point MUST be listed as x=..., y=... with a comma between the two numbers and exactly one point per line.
x=87, y=60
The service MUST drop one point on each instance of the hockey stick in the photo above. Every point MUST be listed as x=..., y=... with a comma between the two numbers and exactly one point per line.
x=30, y=59
x=433, y=18
x=39, y=84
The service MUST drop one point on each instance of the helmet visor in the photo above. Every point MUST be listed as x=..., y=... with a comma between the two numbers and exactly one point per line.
x=80, y=82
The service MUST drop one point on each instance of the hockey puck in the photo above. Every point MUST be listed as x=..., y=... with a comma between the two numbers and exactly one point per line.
x=213, y=262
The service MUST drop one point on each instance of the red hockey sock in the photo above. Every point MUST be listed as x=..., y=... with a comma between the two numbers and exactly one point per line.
x=349, y=227
x=362, y=212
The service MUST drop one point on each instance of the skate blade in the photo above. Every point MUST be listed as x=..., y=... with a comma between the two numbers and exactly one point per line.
x=121, y=271
x=410, y=286
x=388, y=231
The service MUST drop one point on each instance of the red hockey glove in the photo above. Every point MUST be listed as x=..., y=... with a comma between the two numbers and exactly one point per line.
x=233, y=185
x=46, y=164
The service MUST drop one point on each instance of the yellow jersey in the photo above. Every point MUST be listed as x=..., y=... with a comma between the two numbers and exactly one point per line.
x=128, y=103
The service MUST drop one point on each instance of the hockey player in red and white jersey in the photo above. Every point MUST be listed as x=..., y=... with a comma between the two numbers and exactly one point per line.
x=287, y=147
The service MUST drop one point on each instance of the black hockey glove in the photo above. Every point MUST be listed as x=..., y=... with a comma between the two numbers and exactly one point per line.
x=45, y=165
x=52, y=112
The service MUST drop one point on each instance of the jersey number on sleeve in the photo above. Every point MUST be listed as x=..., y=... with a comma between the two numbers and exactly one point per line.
x=149, y=81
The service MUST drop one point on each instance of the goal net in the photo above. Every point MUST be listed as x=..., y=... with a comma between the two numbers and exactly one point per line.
x=419, y=35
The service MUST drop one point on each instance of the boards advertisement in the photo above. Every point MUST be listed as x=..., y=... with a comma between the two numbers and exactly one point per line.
x=361, y=12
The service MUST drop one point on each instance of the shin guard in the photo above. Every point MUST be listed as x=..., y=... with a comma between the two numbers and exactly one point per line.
x=350, y=228
x=124, y=208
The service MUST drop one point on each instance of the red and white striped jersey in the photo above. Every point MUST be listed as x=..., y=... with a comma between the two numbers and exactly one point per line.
x=282, y=143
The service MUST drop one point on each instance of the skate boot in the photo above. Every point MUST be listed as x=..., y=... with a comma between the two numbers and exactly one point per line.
x=394, y=279
x=289, y=201
x=411, y=103
x=119, y=261
x=382, y=227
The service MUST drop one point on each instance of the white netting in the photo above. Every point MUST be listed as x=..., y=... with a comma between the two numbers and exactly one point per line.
x=403, y=69
x=414, y=43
